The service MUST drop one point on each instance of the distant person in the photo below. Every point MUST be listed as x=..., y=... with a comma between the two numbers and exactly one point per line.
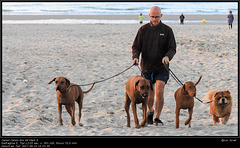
x=141, y=18
x=230, y=19
x=181, y=19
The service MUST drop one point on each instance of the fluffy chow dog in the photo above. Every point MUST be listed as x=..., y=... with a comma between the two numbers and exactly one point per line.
x=221, y=105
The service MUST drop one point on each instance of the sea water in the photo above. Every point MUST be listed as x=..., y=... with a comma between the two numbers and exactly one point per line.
x=112, y=8
x=116, y=8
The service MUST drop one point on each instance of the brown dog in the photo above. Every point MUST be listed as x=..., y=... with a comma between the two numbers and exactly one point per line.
x=67, y=94
x=221, y=105
x=184, y=97
x=137, y=89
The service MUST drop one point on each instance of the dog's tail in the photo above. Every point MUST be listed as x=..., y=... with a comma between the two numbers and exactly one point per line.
x=210, y=94
x=89, y=89
x=198, y=80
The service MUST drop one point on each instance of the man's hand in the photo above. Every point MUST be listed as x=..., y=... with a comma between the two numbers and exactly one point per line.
x=165, y=60
x=135, y=61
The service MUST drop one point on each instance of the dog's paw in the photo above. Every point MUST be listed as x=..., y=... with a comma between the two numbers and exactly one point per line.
x=143, y=123
x=80, y=124
x=137, y=126
x=73, y=122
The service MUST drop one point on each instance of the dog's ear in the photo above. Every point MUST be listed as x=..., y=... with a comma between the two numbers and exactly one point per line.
x=183, y=90
x=215, y=94
x=198, y=81
x=228, y=92
x=136, y=84
x=67, y=82
x=52, y=81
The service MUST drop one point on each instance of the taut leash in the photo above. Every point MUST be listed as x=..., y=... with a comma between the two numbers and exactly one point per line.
x=179, y=82
x=141, y=71
x=102, y=79
x=172, y=74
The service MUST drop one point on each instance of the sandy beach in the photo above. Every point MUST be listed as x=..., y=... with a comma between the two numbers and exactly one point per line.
x=32, y=55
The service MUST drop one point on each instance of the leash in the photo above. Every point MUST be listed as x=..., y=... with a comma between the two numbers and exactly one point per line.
x=172, y=74
x=141, y=71
x=102, y=79
x=179, y=82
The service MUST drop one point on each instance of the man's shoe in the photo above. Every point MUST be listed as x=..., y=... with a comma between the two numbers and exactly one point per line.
x=150, y=117
x=158, y=122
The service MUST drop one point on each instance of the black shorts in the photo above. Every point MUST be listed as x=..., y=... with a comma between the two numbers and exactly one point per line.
x=162, y=75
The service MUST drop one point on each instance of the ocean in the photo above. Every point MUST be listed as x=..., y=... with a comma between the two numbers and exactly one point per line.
x=115, y=8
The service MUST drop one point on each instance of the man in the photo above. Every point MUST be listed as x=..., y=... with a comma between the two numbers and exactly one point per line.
x=156, y=43
x=141, y=18
x=230, y=20
x=181, y=18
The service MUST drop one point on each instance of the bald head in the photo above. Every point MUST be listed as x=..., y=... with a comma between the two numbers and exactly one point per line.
x=155, y=9
x=155, y=15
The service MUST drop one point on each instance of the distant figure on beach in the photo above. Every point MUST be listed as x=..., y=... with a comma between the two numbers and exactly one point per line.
x=156, y=43
x=181, y=19
x=141, y=18
x=230, y=19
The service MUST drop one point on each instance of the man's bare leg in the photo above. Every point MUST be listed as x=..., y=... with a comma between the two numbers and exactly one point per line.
x=159, y=98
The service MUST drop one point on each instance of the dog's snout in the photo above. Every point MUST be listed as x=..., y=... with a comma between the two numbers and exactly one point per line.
x=223, y=101
x=58, y=88
x=145, y=95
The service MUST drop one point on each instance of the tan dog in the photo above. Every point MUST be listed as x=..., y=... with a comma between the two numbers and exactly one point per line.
x=67, y=95
x=137, y=89
x=221, y=105
x=184, y=97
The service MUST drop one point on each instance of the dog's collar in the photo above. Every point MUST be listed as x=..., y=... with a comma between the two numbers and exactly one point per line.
x=67, y=89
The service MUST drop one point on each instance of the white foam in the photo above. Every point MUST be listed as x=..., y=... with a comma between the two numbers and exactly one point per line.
x=93, y=21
